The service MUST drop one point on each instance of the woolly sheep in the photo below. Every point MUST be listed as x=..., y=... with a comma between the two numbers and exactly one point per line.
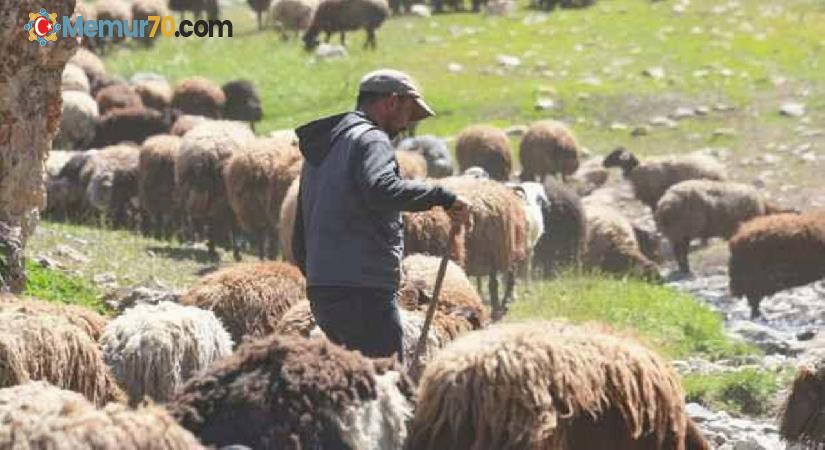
x=197, y=7
x=260, y=7
x=66, y=193
x=87, y=320
x=340, y=16
x=567, y=387
x=56, y=160
x=134, y=124
x=487, y=147
x=199, y=96
x=50, y=348
x=186, y=122
x=801, y=421
x=773, y=253
x=155, y=93
x=290, y=392
x=566, y=229
x=243, y=103
x=703, y=209
x=249, y=298
x=74, y=79
x=117, y=96
x=293, y=15
x=411, y=165
x=156, y=184
x=90, y=63
x=40, y=416
x=548, y=148
x=113, y=10
x=434, y=151
x=88, y=13
x=428, y=232
x=110, y=177
x=652, y=178
x=77, y=122
x=534, y=201
x=142, y=10
x=153, y=349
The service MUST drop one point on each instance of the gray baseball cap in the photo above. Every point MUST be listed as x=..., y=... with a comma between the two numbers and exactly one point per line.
x=389, y=81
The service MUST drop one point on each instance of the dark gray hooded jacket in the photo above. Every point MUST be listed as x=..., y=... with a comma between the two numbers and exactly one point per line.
x=348, y=229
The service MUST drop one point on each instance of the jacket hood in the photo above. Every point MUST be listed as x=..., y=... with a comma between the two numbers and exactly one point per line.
x=315, y=138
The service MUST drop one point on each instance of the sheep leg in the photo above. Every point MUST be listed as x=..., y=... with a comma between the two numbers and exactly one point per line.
x=343, y=39
x=754, y=301
x=680, y=249
x=509, y=288
x=260, y=21
x=233, y=241
x=494, y=304
x=370, y=39
x=329, y=34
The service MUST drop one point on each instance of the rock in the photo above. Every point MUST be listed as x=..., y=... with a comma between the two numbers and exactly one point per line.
x=702, y=110
x=698, y=413
x=618, y=126
x=544, y=104
x=683, y=112
x=770, y=340
x=105, y=280
x=331, y=51
x=792, y=109
x=516, y=130
x=420, y=10
x=808, y=157
x=508, y=61
x=657, y=73
x=662, y=121
x=454, y=67
x=71, y=253
x=722, y=107
x=724, y=132
x=47, y=263
x=643, y=130
x=806, y=335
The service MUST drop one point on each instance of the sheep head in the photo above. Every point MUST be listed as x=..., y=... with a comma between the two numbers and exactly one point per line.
x=621, y=157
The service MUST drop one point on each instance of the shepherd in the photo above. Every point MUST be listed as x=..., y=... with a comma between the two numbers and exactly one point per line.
x=348, y=238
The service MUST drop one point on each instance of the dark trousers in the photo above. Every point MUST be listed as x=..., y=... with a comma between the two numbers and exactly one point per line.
x=363, y=319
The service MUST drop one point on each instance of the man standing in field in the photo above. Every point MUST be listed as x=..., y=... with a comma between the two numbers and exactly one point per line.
x=348, y=237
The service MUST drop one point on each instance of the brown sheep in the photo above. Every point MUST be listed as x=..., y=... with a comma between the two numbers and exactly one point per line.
x=198, y=7
x=293, y=15
x=154, y=93
x=612, y=246
x=486, y=147
x=774, y=253
x=184, y=123
x=113, y=10
x=141, y=10
x=133, y=124
x=549, y=147
x=801, y=421
x=428, y=231
x=90, y=63
x=567, y=387
x=110, y=180
x=87, y=320
x=249, y=298
x=340, y=16
x=200, y=97
x=117, y=96
x=156, y=185
x=260, y=7
x=412, y=165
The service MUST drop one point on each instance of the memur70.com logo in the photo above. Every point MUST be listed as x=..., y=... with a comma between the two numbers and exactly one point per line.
x=44, y=28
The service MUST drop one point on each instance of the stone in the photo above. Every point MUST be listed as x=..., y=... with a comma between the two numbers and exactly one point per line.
x=792, y=109
x=618, y=126
x=544, y=104
x=643, y=130
x=662, y=121
x=516, y=130
x=724, y=132
x=454, y=67
x=331, y=51
x=420, y=10
x=105, y=280
x=508, y=61
x=698, y=413
x=657, y=73
x=683, y=112
x=47, y=263
x=71, y=253
x=770, y=340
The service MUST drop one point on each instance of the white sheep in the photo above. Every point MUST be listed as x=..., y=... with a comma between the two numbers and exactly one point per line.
x=534, y=201
x=74, y=79
x=77, y=123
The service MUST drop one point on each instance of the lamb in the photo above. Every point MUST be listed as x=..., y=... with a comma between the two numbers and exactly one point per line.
x=566, y=229
x=287, y=392
x=340, y=16
x=548, y=148
x=243, y=103
x=801, y=421
x=87, y=320
x=155, y=92
x=249, y=298
x=117, y=96
x=487, y=147
x=40, y=416
x=434, y=151
x=200, y=97
x=156, y=185
x=703, y=209
x=612, y=246
x=74, y=79
x=134, y=124
x=77, y=122
x=773, y=253
x=652, y=178
x=567, y=387
x=411, y=165
x=293, y=15
x=260, y=7
x=110, y=178
x=48, y=347
x=153, y=349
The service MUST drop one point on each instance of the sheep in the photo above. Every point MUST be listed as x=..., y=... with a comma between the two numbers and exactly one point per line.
x=40, y=416
x=253, y=178
x=801, y=421
x=411, y=165
x=567, y=387
x=534, y=201
x=74, y=79
x=487, y=147
x=142, y=10
x=703, y=209
x=88, y=13
x=243, y=103
x=259, y=6
x=117, y=96
x=91, y=64
x=110, y=178
x=773, y=253
x=157, y=194
x=293, y=15
x=249, y=298
x=288, y=392
x=286, y=220
x=340, y=16
x=77, y=122
x=434, y=151
x=113, y=10
x=184, y=123
x=590, y=176
x=199, y=176
x=496, y=240
x=66, y=193
x=428, y=232
x=199, y=96
x=548, y=148
x=651, y=179
x=198, y=7
x=154, y=93
x=153, y=349
x=566, y=229
x=49, y=347
x=612, y=246
x=56, y=161
x=87, y=320
x=134, y=124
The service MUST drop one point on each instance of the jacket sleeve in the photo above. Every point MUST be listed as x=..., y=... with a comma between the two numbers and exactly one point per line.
x=298, y=243
x=376, y=174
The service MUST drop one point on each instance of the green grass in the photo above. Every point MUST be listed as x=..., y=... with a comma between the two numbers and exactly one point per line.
x=55, y=286
x=749, y=392
x=671, y=322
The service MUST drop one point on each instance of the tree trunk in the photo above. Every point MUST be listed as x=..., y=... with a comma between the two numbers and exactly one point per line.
x=30, y=108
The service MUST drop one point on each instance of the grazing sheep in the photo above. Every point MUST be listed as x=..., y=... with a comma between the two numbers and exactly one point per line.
x=411, y=166
x=155, y=93
x=66, y=193
x=56, y=161
x=434, y=151
x=142, y=10
x=199, y=176
x=117, y=96
x=134, y=124
x=457, y=294
x=110, y=177
x=704, y=209
x=548, y=148
x=156, y=185
x=49, y=347
x=249, y=298
x=428, y=232
x=496, y=240
x=186, y=122
x=802, y=418
x=287, y=392
x=198, y=7
x=286, y=220
x=652, y=178
x=243, y=103
x=486, y=147
x=567, y=387
x=612, y=246
x=39, y=416
x=774, y=253
x=260, y=7
x=565, y=237
x=87, y=320
x=113, y=10
x=77, y=122
x=534, y=201
x=200, y=97
x=340, y=16
x=590, y=176
x=74, y=79
x=153, y=349
x=293, y=15
x=91, y=64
